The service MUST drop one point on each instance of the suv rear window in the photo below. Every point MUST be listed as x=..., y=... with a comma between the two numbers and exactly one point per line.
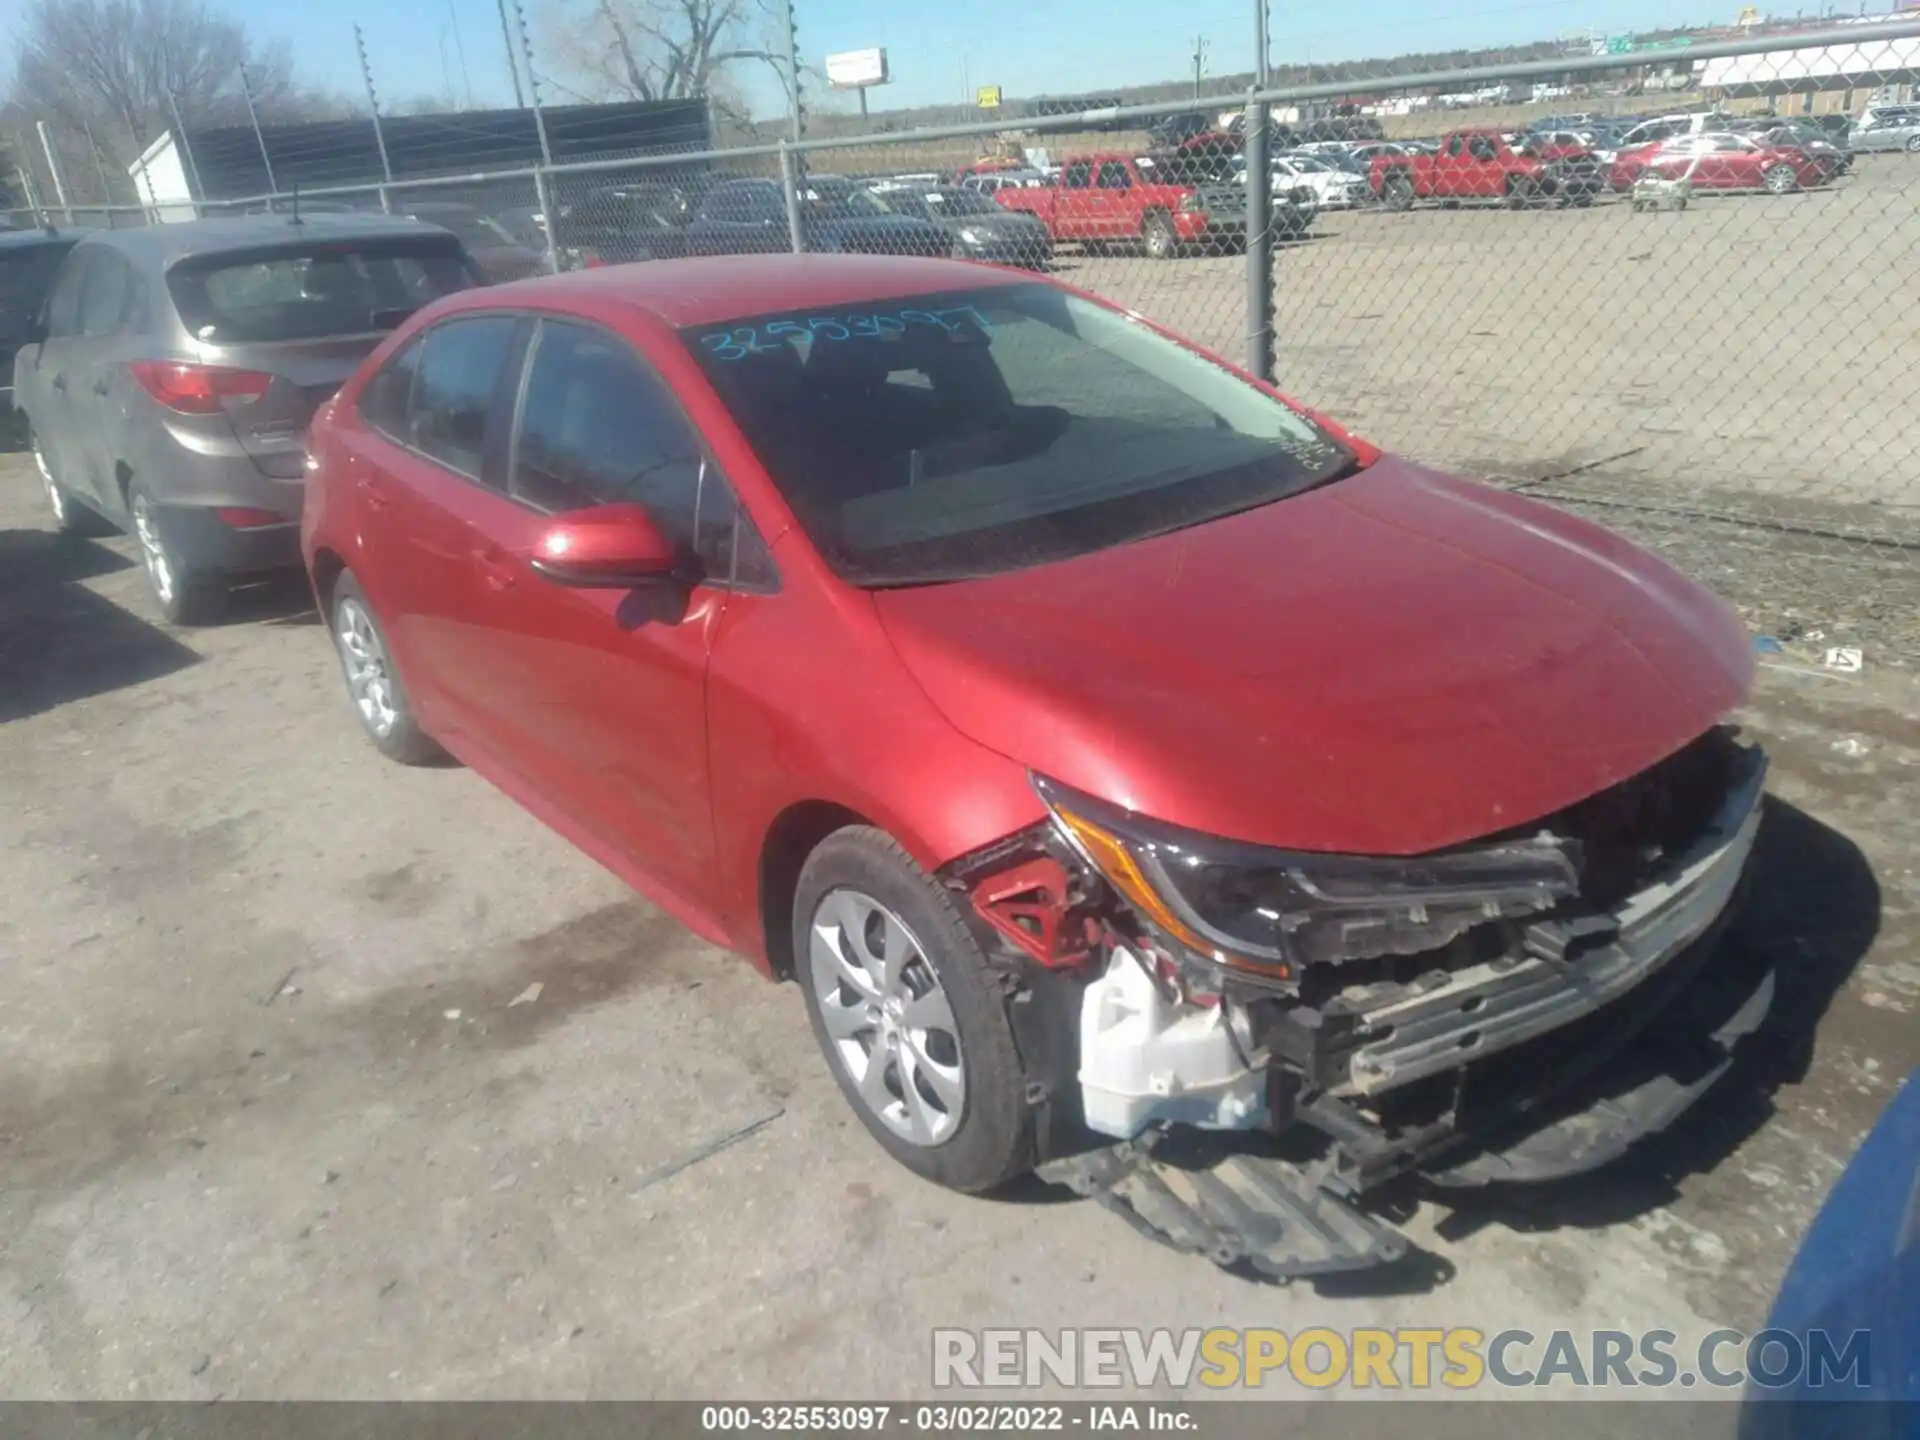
x=311, y=292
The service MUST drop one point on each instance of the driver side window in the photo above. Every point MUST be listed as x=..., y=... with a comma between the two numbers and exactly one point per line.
x=598, y=427
x=1078, y=177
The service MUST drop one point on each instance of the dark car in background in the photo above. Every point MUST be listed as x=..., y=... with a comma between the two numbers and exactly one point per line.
x=978, y=228
x=636, y=220
x=29, y=260
x=169, y=383
x=836, y=215
x=499, y=254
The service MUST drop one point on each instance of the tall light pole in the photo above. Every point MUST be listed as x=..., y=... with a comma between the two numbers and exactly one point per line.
x=1199, y=61
x=1262, y=63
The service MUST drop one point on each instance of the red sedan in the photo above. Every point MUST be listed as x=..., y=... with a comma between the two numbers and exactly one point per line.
x=1096, y=736
x=1721, y=162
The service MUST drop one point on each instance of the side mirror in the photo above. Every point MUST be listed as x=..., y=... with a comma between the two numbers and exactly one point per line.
x=608, y=547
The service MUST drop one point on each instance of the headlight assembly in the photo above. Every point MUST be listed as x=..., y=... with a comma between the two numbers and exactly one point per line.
x=1275, y=911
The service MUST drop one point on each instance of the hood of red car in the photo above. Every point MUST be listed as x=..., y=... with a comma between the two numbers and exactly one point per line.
x=1390, y=664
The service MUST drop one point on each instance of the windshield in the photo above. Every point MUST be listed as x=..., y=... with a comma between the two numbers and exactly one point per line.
x=937, y=204
x=842, y=200
x=952, y=435
x=311, y=292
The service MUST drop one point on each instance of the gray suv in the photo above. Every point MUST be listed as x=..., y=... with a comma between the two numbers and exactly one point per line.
x=169, y=380
x=1888, y=127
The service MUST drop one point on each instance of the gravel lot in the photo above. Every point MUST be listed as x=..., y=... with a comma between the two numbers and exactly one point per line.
x=281, y=1114
x=1733, y=385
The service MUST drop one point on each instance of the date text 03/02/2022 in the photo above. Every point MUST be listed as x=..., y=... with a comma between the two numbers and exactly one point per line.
x=945, y=1418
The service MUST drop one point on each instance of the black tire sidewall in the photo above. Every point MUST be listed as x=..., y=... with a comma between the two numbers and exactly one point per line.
x=994, y=1140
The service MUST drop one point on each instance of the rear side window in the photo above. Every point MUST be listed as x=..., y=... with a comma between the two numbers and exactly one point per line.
x=63, y=308
x=455, y=386
x=312, y=292
x=105, y=295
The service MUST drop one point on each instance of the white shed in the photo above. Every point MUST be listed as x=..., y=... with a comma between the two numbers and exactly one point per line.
x=160, y=180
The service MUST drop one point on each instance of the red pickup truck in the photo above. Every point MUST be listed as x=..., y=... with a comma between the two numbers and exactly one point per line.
x=1484, y=165
x=1119, y=197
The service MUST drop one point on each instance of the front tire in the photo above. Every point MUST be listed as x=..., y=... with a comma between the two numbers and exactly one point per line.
x=1913, y=145
x=1396, y=193
x=910, y=1016
x=1780, y=180
x=185, y=596
x=373, y=685
x=70, y=516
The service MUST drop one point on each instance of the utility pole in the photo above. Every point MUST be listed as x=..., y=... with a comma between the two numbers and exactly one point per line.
x=513, y=65
x=1262, y=60
x=379, y=134
x=100, y=169
x=1199, y=62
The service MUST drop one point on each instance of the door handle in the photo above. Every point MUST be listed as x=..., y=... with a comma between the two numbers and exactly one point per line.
x=59, y=382
x=374, y=497
x=494, y=569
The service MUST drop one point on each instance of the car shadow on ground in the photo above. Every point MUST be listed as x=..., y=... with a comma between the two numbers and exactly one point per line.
x=280, y=600
x=58, y=640
x=1811, y=913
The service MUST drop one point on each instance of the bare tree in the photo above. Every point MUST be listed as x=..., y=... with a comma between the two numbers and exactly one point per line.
x=661, y=49
x=108, y=67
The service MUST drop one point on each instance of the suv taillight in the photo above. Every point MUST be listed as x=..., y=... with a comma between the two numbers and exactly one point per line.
x=190, y=389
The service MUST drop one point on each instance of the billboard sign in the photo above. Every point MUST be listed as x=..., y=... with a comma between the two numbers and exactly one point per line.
x=857, y=69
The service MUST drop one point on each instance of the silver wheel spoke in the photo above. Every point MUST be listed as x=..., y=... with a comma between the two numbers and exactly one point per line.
x=873, y=1083
x=852, y=912
x=929, y=1012
x=943, y=1080
x=843, y=1022
x=924, y=1122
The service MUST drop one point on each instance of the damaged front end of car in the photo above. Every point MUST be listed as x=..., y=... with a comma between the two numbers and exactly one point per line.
x=1447, y=1014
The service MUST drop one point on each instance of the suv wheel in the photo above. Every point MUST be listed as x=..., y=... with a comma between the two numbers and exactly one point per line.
x=70, y=516
x=1396, y=192
x=913, y=1021
x=1780, y=180
x=379, y=699
x=186, y=597
x=1913, y=145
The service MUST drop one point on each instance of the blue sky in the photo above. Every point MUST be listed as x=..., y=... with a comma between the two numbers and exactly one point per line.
x=939, y=50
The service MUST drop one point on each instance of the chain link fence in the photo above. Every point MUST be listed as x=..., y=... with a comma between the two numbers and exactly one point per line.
x=1675, y=294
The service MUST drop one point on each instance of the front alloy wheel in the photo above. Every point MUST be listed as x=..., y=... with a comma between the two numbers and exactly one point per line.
x=1780, y=180
x=891, y=1026
x=364, y=660
x=914, y=1016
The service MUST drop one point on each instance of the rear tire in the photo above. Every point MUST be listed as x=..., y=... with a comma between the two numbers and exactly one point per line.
x=1913, y=145
x=185, y=596
x=1522, y=193
x=373, y=684
x=911, y=1017
x=1396, y=192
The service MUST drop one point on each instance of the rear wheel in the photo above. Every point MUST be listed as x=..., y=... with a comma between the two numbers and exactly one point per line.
x=1913, y=146
x=1158, y=235
x=1780, y=180
x=912, y=1020
x=1522, y=192
x=380, y=700
x=1396, y=192
x=185, y=596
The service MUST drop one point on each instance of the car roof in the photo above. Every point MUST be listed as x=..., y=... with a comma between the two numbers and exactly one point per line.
x=710, y=289
x=28, y=239
x=164, y=245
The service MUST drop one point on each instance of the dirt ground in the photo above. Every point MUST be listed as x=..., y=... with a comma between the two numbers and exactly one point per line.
x=283, y=1115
